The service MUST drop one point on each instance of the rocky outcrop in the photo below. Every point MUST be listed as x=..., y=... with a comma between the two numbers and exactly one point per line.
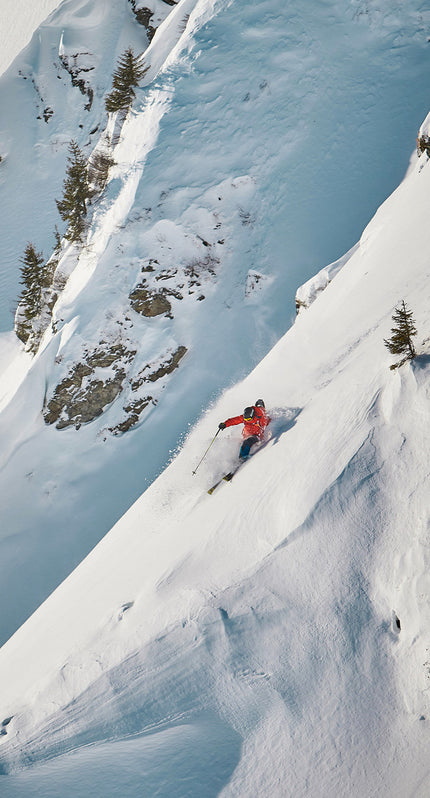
x=86, y=392
x=151, y=373
x=78, y=65
x=169, y=365
x=75, y=404
x=153, y=294
x=30, y=329
x=83, y=395
x=146, y=16
x=149, y=303
x=133, y=410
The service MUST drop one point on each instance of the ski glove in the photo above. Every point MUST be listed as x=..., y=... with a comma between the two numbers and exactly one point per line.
x=222, y=425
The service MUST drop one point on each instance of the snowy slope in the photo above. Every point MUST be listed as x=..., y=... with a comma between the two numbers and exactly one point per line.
x=250, y=164
x=288, y=613
x=18, y=20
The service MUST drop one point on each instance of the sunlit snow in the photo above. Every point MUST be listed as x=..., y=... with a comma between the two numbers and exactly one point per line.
x=270, y=639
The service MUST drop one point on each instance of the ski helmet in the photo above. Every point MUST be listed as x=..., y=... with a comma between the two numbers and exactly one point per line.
x=248, y=413
x=260, y=403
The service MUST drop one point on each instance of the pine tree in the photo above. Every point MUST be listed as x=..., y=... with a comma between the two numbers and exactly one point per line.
x=98, y=171
x=32, y=274
x=128, y=74
x=401, y=342
x=76, y=191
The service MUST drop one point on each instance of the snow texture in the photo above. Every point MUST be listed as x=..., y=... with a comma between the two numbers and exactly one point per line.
x=271, y=639
x=222, y=175
x=18, y=21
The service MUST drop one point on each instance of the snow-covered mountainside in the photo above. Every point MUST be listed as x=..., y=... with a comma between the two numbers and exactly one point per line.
x=283, y=620
x=270, y=639
x=261, y=141
x=18, y=21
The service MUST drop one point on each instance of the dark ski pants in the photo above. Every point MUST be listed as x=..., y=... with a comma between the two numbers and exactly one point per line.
x=246, y=445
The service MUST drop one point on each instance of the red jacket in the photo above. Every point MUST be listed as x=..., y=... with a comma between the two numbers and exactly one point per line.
x=255, y=426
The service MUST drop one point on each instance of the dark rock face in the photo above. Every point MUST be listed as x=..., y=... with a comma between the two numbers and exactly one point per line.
x=134, y=408
x=149, y=304
x=82, y=396
x=75, y=403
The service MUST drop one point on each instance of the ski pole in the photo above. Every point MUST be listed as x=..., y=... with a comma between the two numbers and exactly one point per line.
x=201, y=461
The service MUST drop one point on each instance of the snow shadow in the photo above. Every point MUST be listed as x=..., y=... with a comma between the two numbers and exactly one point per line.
x=191, y=759
x=282, y=420
x=420, y=362
x=355, y=483
x=150, y=726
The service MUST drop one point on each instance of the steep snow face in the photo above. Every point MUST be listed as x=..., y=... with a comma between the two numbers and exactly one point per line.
x=289, y=610
x=216, y=208
x=18, y=21
x=247, y=162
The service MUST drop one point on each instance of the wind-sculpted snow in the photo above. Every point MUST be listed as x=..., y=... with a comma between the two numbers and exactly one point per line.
x=18, y=20
x=284, y=619
x=170, y=763
x=291, y=605
x=227, y=172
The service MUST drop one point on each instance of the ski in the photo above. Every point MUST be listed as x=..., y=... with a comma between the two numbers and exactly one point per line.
x=226, y=478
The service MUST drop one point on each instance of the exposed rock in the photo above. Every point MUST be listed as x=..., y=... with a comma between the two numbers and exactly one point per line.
x=167, y=367
x=47, y=113
x=148, y=303
x=133, y=410
x=30, y=328
x=23, y=326
x=150, y=373
x=99, y=164
x=103, y=358
x=166, y=274
x=74, y=66
x=94, y=399
x=144, y=16
x=82, y=396
x=148, y=267
x=423, y=144
x=138, y=405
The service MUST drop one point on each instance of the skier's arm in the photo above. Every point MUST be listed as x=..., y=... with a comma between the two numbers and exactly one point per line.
x=231, y=422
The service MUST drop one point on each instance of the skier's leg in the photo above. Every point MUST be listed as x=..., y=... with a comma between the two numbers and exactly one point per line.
x=246, y=446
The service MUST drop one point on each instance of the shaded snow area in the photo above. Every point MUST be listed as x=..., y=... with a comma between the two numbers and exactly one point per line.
x=271, y=639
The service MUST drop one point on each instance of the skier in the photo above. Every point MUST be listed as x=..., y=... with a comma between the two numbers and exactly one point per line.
x=255, y=421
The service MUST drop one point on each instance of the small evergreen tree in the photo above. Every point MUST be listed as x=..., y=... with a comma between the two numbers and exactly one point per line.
x=127, y=75
x=98, y=171
x=32, y=275
x=57, y=239
x=76, y=191
x=402, y=334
